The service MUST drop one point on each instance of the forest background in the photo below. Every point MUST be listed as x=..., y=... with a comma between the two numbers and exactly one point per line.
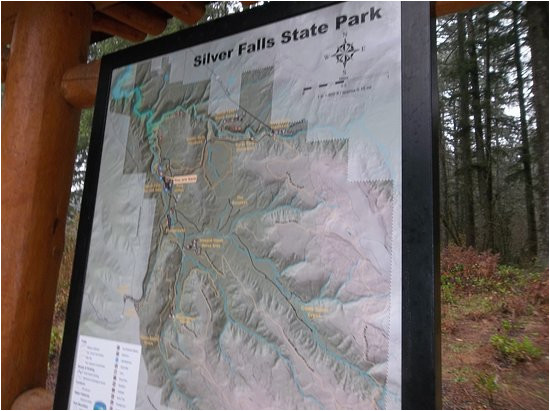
x=492, y=67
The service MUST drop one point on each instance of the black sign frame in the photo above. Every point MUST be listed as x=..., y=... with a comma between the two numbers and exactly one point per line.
x=421, y=355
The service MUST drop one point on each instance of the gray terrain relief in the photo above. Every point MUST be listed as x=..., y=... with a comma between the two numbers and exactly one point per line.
x=251, y=260
x=268, y=278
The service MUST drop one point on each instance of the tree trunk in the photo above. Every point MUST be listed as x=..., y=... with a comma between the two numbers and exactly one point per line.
x=481, y=163
x=444, y=183
x=488, y=135
x=456, y=222
x=464, y=136
x=525, y=151
x=537, y=35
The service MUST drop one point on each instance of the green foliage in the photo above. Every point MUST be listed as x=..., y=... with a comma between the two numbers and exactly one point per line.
x=465, y=264
x=510, y=327
x=462, y=374
x=56, y=337
x=507, y=325
x=466, y=269
x=473, y=272
x=84, y=129
x=478, y=306
x=217, y=9
x=487, y=140
x=513, y=351
x=173, y=26
x=488, y=384
x=448, y=290
x=107, y=46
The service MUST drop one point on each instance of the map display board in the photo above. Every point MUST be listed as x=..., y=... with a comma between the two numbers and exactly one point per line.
x=246, y=236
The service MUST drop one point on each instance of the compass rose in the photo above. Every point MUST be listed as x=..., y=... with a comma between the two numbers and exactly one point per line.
x=344, y=52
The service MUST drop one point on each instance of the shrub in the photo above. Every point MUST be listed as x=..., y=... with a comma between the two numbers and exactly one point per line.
x=56, y=338
x=447, y=290
x=467, y=268
x=507, y=325
x=538, y=289
x=488, y=384
x=512, y=350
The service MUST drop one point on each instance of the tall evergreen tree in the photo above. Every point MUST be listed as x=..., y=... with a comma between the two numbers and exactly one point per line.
x=464, y=135
x=481, y=163
x=525, y=150
x=487, y=95
x=536, y=14
x=494, y=128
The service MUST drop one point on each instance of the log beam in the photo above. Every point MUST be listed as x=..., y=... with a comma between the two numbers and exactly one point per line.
x=35, y=399
x=9, y=14
x=5, y=60
x=106, y=24
x=79, y=84
x=39, y=133
x=187, y=11
x=443, y=8
x=136, y=17
x=100, y=5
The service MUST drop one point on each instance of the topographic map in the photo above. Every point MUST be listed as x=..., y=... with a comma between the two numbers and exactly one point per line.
x=246, y=231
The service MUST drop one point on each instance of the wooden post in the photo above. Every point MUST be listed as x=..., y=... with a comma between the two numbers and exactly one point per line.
x=39, y=133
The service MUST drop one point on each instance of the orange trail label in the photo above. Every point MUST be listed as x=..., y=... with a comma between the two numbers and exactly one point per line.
x=188, y=179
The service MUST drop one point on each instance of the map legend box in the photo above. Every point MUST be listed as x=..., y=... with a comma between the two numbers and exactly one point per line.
x=105, y=374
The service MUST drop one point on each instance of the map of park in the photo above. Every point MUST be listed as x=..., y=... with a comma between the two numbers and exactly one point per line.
x=237, y=250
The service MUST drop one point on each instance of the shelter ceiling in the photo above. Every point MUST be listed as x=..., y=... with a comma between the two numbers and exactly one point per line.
x=131, y=20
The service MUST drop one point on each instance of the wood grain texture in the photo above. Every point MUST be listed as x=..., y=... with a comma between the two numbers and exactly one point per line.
x=106, y=24
x=35, y=399
x=443, y=8
x=137, y=17
x=79, y=84
x=39, y=132
x=187, y=11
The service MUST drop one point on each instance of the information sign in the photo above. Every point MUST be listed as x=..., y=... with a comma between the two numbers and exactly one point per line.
x=250, y=235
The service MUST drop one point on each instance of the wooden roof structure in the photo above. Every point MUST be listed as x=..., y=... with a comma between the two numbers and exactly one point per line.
x=47, y=81
x=129, y=20
x=134, y=20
